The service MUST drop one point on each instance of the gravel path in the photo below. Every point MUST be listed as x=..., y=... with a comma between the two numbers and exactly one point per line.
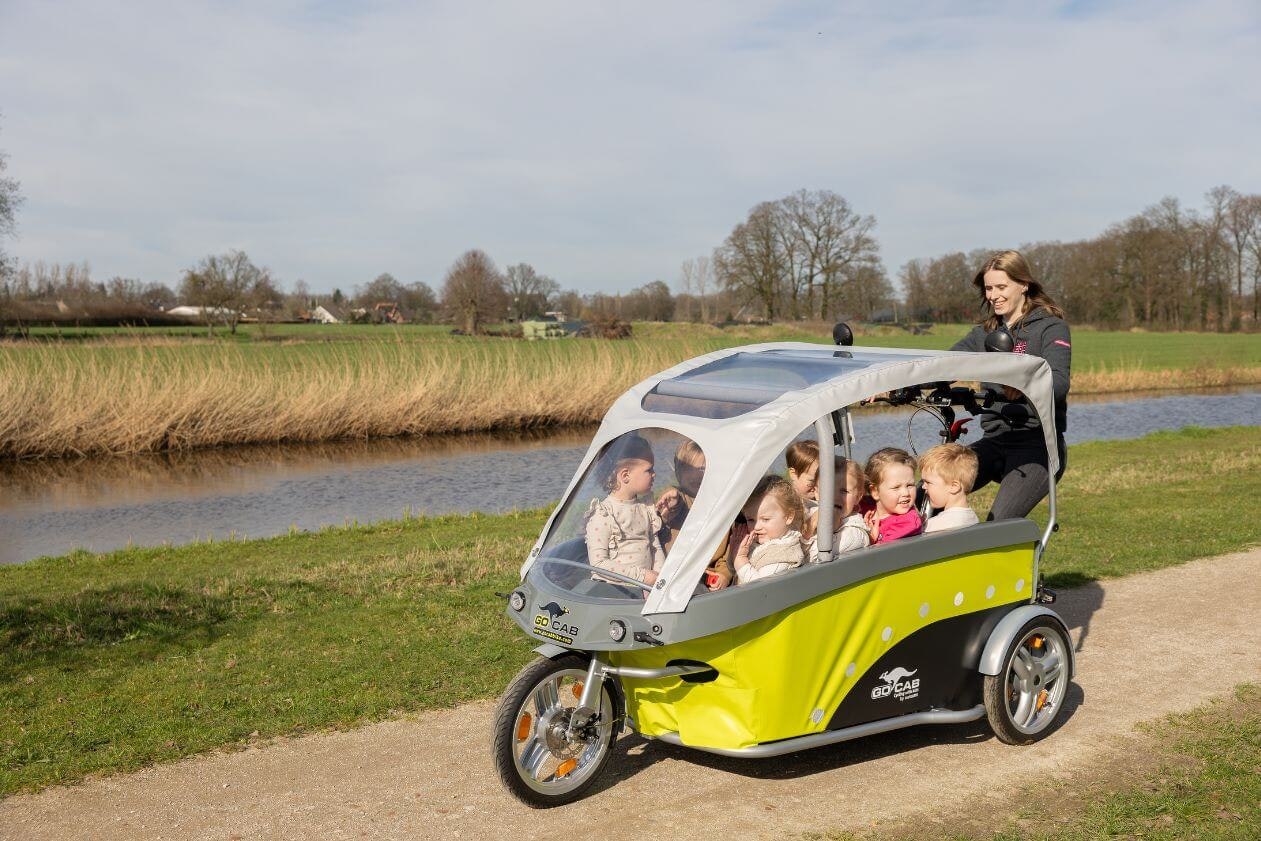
x=1150, y=644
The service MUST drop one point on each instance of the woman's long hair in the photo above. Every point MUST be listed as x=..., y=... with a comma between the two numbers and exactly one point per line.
x=1017, y=268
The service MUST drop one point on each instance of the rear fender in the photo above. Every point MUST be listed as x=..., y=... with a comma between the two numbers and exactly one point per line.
x=1005, y=631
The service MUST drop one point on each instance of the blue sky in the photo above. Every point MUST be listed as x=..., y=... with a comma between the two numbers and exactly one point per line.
x=603, y=142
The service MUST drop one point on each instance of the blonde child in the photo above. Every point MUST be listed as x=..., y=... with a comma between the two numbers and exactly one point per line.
x=891, y=483
x=803, y=472
x=675, y=504
x=774, y=544
x=948, y=471
x=623, y=534
x=849, y=532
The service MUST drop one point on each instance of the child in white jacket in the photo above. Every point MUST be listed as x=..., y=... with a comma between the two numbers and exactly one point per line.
x=774, y=545
x=849, y=532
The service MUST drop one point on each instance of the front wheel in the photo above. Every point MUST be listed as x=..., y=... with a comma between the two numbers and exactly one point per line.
x=534, y=756
x=1023, y=700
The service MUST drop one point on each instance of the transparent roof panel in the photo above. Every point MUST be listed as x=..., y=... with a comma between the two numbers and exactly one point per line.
x=742, y=382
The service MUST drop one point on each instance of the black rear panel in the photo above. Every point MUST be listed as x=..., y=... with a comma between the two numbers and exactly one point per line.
x=935, y=667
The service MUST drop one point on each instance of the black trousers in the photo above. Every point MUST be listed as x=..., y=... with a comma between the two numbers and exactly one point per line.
x=1019, y=465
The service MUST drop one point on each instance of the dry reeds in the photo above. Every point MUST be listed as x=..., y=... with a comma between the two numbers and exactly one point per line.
x=123, y=398
x=61, y=401
x=1103, y=380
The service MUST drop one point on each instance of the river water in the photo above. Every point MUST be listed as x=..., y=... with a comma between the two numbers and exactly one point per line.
x=50, y=507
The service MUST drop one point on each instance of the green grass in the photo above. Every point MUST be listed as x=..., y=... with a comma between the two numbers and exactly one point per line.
x=111, y=662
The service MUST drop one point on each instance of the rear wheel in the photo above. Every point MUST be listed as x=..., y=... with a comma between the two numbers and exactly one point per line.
x=1023, y=700
x=534, y=755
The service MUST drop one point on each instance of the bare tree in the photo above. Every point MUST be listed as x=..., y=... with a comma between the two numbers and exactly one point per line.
x=473, y=292
x=220, y=285
x=696, y=277
x=529, y=293
x=10, y=200
x=751, y=262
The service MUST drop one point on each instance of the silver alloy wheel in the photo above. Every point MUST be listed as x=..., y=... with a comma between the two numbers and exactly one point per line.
x=541, y=749
x=1033, y=669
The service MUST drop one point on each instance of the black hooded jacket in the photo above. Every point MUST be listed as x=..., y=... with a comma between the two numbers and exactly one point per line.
x=1039, y=334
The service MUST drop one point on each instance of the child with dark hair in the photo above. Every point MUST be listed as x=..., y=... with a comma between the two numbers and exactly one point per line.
x=622, y=533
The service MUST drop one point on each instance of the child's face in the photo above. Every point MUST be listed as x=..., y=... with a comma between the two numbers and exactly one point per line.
x=806, y=483
x=849, y=490
x=896, y=492
x=771, y=522
x=939, y=490
x=689, y=477
x=636, y=477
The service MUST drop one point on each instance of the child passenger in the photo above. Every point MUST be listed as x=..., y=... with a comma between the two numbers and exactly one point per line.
x=623, y=533
x=803, y=472
x=948, y=471
x=675, y=504
x=774, y=545
x=891, y=483
x=849, y=532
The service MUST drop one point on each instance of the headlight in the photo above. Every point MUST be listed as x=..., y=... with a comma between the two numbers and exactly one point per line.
x=617, y=631
x=516, y=601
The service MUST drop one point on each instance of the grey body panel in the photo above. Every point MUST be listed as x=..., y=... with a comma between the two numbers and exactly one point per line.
x=712, y=613
x=831, y=737
x=1005, y=632
x=551, y=651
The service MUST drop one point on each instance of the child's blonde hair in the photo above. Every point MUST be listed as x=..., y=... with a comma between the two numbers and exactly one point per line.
x=789, y=501
x=688, y=455
x=953, y=463
x=881, y=460
x=620, y=454
x=801, y=455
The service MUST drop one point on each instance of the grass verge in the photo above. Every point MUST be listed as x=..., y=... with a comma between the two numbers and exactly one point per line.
x=111, y=662
x=1194, y=775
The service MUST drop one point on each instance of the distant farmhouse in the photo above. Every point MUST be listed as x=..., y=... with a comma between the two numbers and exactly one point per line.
x=551, y=326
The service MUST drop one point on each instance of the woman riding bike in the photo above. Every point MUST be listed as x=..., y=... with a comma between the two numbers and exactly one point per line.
x=1012, y=450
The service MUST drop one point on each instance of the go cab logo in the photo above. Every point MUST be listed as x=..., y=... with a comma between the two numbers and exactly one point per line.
x=897, y=684
x=550, y=624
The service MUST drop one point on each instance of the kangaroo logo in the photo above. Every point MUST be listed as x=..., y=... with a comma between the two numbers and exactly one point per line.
x=896, y=675
x=554, y=610
x=898, y=683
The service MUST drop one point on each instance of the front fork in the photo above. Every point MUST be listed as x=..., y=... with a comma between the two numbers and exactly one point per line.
x=586, y=709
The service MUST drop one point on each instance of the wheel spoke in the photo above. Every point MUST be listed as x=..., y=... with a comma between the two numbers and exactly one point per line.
x=546, y=697
x=531, y=753
x=535, y=767
x=1024, y=711
x=1021, y=664
x=1052, y=667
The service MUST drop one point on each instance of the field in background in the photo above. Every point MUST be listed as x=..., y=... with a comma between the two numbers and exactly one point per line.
x=114, y=390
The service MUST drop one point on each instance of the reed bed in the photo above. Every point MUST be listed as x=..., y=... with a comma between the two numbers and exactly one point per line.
x=78, y=401
x=132, y=395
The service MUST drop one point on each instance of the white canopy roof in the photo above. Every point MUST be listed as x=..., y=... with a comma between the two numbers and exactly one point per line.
x=764, y=396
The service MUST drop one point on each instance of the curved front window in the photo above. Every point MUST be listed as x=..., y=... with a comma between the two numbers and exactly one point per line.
x=612, y=535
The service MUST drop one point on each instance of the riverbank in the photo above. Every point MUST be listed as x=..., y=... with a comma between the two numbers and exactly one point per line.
x=132, y=392
x=112, y=662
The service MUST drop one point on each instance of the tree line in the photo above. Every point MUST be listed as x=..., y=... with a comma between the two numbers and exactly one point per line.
x=808, y=255
x=1166, y=268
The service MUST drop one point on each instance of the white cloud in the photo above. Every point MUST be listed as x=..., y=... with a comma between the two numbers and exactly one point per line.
x=602, y=142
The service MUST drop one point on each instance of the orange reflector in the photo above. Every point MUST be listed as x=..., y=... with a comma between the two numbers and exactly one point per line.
x=566, y=768
x=524, y=726
x=1041, y=702
x=576, y=689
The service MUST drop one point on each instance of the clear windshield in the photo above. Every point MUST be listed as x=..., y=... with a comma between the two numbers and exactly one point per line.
x=613, y=534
